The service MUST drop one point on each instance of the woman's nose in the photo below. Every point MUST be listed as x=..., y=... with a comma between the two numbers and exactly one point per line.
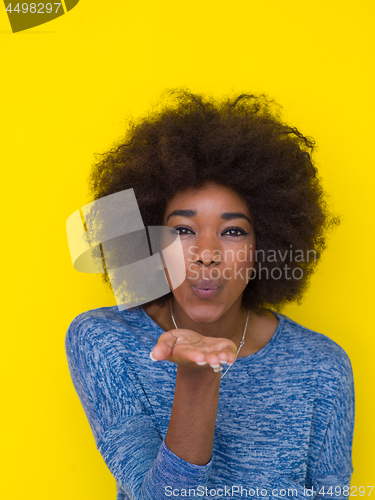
x=208, y=252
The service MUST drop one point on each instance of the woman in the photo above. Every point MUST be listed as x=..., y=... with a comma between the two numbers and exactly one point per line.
x=209, y=391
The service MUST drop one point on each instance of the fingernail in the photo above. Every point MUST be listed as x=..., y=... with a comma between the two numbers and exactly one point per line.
x=215, y=366
x=152, y=357
x=224, y=362
x=201, y=363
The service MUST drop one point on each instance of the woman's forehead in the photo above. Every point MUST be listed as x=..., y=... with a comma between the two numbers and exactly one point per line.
x=210, y=198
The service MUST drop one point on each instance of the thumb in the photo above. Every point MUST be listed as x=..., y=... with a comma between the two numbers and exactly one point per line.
x=163, y=349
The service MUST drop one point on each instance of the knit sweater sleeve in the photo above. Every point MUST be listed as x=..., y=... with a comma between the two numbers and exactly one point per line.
x=330, y=464
x=334, y=466
x=123, y=424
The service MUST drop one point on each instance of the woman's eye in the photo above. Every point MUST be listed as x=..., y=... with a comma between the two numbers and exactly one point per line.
x=183, y=230
x=234, y=231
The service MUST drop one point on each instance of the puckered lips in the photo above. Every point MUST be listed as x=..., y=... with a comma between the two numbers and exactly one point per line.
x=206, y=288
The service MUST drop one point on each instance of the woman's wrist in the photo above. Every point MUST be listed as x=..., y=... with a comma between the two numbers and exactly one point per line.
x=196, y=374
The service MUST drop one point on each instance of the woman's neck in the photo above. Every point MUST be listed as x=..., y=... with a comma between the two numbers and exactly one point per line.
x=229, y=325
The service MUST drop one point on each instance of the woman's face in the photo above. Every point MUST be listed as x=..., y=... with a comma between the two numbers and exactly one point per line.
x=218, y=243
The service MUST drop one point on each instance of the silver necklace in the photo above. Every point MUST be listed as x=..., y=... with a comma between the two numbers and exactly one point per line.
x=239, y=347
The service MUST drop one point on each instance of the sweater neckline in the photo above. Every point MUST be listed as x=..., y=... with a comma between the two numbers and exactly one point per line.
x=249, y=357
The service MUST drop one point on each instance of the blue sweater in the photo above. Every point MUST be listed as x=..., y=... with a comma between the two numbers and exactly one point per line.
x=284, y=424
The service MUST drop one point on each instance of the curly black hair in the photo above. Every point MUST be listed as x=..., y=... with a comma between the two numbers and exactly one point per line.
x=241, y=143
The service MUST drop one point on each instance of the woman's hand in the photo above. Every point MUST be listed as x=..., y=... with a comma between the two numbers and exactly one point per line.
x=187, y=347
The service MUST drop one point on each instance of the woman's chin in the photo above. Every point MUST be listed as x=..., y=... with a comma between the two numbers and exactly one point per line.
x=203, y=311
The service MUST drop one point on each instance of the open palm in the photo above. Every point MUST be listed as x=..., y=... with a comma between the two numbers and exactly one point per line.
x=186, y=346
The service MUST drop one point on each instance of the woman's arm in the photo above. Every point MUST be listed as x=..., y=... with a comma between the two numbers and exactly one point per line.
x=122, y=420
x=192, y=425
x=191, y=428
x=334, y=468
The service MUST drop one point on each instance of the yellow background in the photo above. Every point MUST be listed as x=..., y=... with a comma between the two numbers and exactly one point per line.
x=66, y=89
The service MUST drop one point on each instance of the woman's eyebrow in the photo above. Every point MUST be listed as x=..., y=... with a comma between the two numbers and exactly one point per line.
x=184, y=213
x=235, y=215
x=225, y=216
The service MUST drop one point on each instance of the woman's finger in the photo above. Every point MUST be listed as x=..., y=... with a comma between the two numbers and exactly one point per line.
x=203, y=355
x=163, y=349
x=228, y=354
x=188, y=353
